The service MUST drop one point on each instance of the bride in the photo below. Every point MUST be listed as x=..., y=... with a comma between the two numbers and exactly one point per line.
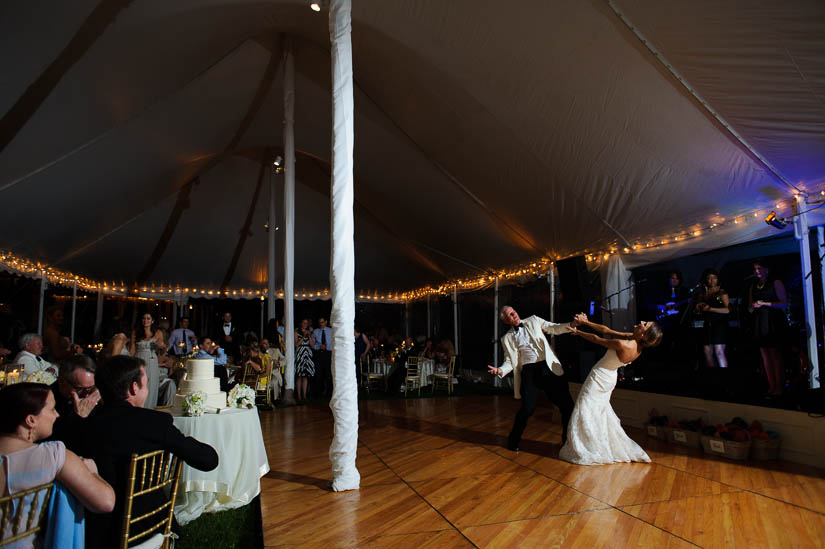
x=595, y=435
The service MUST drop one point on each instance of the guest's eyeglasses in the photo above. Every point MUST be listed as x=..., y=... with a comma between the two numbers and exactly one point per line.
x=83, y=392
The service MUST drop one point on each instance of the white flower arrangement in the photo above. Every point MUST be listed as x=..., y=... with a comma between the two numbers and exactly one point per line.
x=241, y=396
x=41, y=376
x=194, y=405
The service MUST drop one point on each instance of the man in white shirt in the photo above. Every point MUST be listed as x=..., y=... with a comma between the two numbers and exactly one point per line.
x=182, y=339
x=29, y=358
x=322, y=356
x=535, y=368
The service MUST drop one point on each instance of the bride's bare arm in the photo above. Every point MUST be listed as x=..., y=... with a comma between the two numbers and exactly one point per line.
x=601, y=328
x=615, y=344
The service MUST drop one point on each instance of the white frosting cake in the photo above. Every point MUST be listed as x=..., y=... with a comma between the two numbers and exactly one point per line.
x=200, y=376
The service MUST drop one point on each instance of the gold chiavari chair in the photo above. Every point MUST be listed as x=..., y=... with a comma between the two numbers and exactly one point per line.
x=148, y=473
x=413, y=376
x=263, y=385
x=14, y=525
x=445, y=379
x=249, y=376
x=368, y=377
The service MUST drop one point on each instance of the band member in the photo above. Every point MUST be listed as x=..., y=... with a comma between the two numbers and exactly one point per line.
x=714, y=305
x=767, y=300
x=535, y=368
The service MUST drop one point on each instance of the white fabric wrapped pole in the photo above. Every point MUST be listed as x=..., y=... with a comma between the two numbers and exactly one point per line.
x=344, y=403
x=802, y=234
x=617, y=278
x=289, y=219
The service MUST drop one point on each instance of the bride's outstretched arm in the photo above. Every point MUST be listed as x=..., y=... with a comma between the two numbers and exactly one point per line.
x=582, y=319
x=615, y=344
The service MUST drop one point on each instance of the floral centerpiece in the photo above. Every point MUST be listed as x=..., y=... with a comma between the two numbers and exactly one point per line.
x=41, y=376
x=194, y=405
x=241, y=396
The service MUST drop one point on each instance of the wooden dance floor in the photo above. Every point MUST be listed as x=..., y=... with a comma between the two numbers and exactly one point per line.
x=434, y=473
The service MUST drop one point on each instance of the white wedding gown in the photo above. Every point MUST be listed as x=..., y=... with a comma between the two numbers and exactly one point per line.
x=594, y=434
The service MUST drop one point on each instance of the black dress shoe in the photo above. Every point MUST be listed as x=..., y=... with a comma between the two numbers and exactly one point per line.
x=513, y=447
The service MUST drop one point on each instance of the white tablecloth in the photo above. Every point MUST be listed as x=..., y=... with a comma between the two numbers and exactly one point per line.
x=236, y=436
x=426, y=365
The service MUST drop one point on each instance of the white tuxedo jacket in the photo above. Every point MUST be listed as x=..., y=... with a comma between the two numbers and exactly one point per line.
x=536, y=328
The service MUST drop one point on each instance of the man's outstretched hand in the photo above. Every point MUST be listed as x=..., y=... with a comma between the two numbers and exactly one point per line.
x=493, y=370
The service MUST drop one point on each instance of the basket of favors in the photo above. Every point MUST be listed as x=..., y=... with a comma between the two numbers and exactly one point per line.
x=686, y=432
x=731, y=440
x=764, y=444
x=656, y=425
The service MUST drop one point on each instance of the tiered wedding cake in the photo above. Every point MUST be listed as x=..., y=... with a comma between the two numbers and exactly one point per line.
x=200, y=376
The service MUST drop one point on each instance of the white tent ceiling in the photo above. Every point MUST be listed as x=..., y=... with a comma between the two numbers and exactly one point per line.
x=487, y=133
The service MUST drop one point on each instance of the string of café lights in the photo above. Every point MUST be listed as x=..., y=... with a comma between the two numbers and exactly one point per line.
x=537, y=268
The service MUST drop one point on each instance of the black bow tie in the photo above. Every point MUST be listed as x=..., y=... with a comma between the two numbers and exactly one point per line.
x=519, y=326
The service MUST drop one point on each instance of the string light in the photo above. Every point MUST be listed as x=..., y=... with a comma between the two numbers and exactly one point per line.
x=537, y=267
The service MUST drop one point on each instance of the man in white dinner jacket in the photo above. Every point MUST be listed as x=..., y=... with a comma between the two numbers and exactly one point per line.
x=535, y=367
x=29, y=358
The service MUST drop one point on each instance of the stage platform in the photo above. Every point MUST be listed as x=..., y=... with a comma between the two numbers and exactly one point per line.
x=434, y=473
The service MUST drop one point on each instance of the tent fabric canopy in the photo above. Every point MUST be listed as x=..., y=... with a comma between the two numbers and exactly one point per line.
x=486, y=136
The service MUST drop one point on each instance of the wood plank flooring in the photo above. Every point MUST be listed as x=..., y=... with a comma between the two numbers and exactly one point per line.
x=435, y=473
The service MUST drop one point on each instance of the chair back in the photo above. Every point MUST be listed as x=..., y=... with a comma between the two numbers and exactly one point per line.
x=413, y=369
x=451, y=367
x=148, y=473
x=250, y=376
x=264, y=376
x=16, y=524
x=364, y=363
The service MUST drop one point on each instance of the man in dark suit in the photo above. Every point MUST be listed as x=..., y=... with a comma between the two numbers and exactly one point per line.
x=228, y=336
x=122, y=427
x=75, y=397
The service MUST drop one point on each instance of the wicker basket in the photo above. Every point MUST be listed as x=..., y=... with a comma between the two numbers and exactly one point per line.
x=727, y=448
x=765, y=449
x=656, y=431
x=683, y=437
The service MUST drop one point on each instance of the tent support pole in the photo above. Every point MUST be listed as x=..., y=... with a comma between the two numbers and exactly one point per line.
x=98, y=314
x=74, y=310
x=496, y=379
x=801, y=231
x=289, y=220
x=429, y=319
x=344, y=403
x=43, y=284
x=455, y=319
x=271, y=249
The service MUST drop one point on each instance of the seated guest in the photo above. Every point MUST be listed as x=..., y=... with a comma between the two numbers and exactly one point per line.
x=210, y=349
x=76, y=396
x=278, y=363
x=428, y=351
x=27, y=414
x=29, y=357
x=256, y=360
x=122, y=427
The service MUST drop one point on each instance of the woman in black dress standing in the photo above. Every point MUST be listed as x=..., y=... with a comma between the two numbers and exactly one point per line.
x=714, y=304
x=767, y=301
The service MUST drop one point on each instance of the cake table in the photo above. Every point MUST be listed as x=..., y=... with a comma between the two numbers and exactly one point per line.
x=236, y=436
